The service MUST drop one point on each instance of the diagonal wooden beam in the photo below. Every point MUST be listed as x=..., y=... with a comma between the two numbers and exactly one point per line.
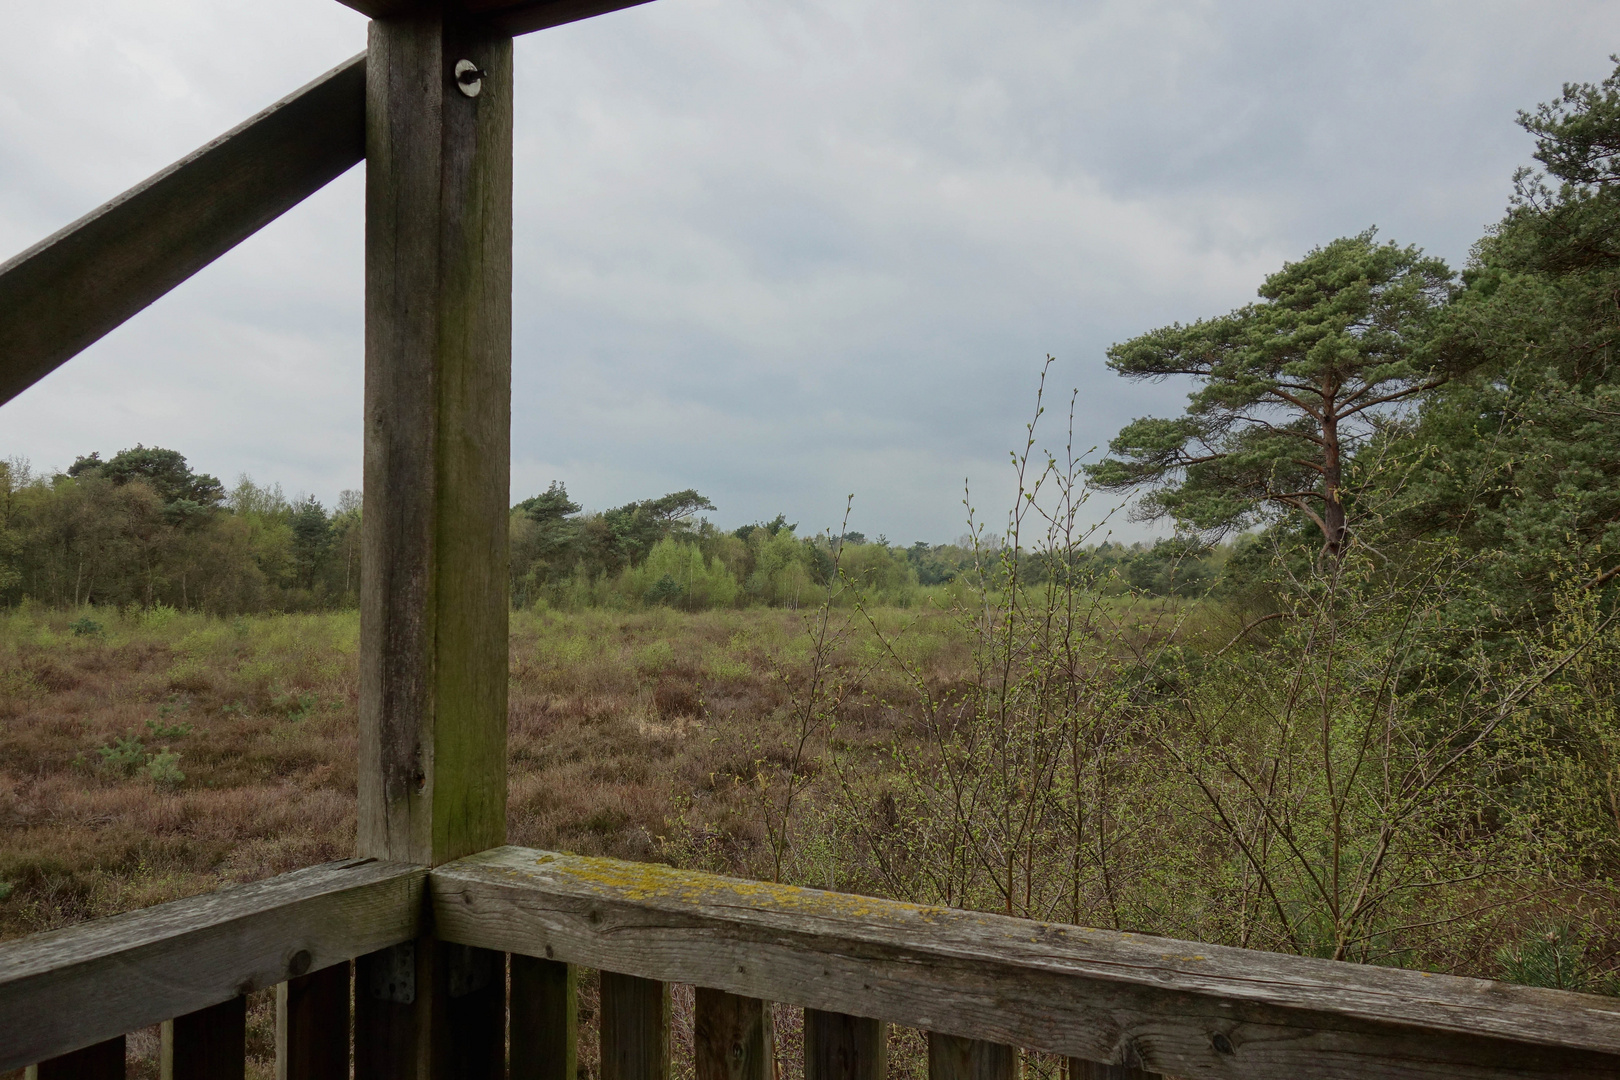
x=70, y=289
x=505, y=16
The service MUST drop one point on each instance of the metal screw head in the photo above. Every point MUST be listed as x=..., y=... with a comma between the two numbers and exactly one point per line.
x=468, y=78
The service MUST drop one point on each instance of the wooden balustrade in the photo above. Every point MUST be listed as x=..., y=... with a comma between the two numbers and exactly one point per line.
x=985, y=987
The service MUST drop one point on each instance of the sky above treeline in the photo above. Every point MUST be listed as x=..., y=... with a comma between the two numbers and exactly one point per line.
x=784, y=251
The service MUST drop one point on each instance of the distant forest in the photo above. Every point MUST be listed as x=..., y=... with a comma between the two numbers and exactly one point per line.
x=142, y=528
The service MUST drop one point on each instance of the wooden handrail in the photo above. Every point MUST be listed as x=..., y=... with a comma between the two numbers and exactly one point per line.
x=1151, y=1003
x=71, y=288
x=1174, y=1006
x=71, y=988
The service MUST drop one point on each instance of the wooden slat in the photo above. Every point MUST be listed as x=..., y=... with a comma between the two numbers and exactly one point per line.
x=103, y=1061
x=838, y=1046
x=634, y=1028
x=209, y=1044
x=1080, y=1069
x=508, y=16
x=471, y=1036
x=312, y=1026
x=732, y=1037
x=164, y=961
x=67, y=291
x=951, y=1057
x=544, y=1020
x=1181, y=1008
x=430, y=1009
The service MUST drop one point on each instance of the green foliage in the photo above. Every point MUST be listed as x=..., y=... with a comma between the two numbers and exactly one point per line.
x=1517, y=460
x=1287, y=389
x=126, y=755
x=163, y=769
x=185, y=494
x=85, y=626
x=676, y=574
x=143, y=530
x=161, y=730
x=1555, y=954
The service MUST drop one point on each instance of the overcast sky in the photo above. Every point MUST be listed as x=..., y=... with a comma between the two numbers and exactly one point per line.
x=782, y=251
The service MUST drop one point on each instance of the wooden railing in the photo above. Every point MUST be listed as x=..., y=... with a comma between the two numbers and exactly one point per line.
x=983, y=986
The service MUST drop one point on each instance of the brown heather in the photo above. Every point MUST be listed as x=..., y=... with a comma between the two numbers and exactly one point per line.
x=624, y=729
x=619, y=724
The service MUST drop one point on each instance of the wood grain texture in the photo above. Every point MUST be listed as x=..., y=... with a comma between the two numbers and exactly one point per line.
x=1169, y=1006
x=209, y=1044
x=838, y=1046
x=634, y=1028
x=433, y=595
x=1080, y=1069
x=103, y=1061
x=312, y=1025
x=543, y=1016
x=507, y=16
x=732, y=1037
x=951, y=1057
x=67, y=291
x=164, y=961
x=437, y=422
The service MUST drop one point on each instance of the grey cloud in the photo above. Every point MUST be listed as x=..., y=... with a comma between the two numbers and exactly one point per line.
x=784, y=250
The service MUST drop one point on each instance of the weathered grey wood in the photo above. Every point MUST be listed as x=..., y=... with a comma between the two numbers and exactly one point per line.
x=732, y=1037
x=312, y=1026
x=433, y=620
x=1080, y=1069
x=103, y=1061
x=634, y=1028
x=437, y=414
x=507, y=16
x=209, y=1044
x=163, y=961
x=544, y=1020
x=838, y=1046
x=951, y=1057
x=1181, y=1008
x=67, y=291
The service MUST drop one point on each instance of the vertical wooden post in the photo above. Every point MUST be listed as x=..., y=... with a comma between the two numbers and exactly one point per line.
x=840, y=1047
x=312, y=1026
x=732, y=1037
x=433, y=596
x=635, y=1028
x=544, y=1019
x=209, y=1044
x=951, y=1057
x=103, y=1061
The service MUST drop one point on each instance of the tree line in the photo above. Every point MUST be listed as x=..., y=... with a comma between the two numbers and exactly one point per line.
x=142, y=529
